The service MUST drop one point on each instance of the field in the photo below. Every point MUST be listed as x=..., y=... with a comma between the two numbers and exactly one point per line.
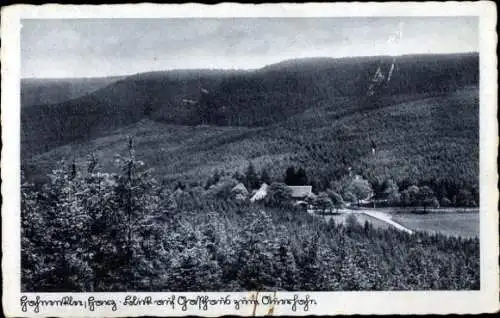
x=451, y=224
x=361, y=218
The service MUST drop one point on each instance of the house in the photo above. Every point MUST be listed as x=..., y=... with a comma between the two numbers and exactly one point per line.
x=260, y=194
x=302, y=196
x=301, y=192
x=239, y=191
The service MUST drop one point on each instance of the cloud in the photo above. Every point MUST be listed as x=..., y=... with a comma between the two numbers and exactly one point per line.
x=80, y=48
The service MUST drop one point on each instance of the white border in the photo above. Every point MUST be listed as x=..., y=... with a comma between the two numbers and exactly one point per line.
x=485, y=300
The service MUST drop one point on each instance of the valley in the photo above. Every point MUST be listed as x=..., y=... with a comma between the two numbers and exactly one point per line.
x=171, y=159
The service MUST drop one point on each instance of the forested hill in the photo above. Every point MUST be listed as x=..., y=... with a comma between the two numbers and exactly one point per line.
x=243, y=98
x=36, y=91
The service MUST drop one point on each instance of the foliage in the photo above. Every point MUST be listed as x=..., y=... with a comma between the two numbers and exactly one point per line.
x=391, y=191
x=425, y=197
x=252, y=179
x=93, y=231
x=278, y=195
x=336, y=198
x=296, y=177
x=265, y=177
x=418, y=145
x=359, y=187
x=323, y=203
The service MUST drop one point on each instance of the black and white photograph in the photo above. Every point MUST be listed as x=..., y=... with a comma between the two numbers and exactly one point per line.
x=250, y=154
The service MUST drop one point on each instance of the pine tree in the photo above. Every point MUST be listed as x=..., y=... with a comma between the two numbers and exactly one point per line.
x=301, y=177
x=135, y=211
x=290, y=176
x=264, y=177
x=252, y=179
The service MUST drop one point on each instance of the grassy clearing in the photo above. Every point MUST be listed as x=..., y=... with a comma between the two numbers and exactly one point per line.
x=451, y=224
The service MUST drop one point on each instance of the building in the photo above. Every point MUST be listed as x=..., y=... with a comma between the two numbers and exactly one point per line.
x=301, y=192
x=260, y=194
x=240, y=192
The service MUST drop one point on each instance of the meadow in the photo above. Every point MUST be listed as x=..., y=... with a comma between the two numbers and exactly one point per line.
x=450, y=223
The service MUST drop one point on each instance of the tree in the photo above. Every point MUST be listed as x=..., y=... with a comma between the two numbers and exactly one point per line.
x=350, y=197
x=285, y=264
x=445, y=202
x=425, y=197
x=65, y=233
x=336, y=198
x=409, y=197
x=252, y=179
x=324, y=203
x=221, y=190
x=351, y=221
x=213, y=179
x=33, y=235
x=264, y=177
x=361, y=188
x=464, y=198
x=256, y=261
x=391, y=191
x=239, y=176
x=290, y=176
x=301, y=177
x=278, y=195
x=475, y=195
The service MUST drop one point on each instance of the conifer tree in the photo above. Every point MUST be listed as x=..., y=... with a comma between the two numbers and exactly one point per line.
x=264, y=177
x=252, y=179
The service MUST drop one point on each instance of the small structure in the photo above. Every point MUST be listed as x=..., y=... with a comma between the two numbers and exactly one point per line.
x=301, y=192
x=239, y=192
x=260, y=194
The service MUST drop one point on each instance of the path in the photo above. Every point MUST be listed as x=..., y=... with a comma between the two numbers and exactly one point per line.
x=385, y=218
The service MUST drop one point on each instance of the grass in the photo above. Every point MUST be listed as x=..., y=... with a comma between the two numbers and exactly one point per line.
x=451, y=224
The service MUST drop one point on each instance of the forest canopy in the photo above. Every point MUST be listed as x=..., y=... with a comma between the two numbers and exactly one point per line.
x=96, y=231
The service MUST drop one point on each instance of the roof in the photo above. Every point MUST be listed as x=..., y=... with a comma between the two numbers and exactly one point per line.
x=300, y=191
x=240, y=188
x=300, y=202
x=260, y=194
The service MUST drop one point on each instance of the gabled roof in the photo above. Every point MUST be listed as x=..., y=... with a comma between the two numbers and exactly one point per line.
x=260, y=194
x=300, y=191
x=240, y=188
x=300, y=202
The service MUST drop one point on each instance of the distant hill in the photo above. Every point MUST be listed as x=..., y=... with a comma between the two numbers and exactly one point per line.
x=279, y=91
x=263, y=97
x=417, y=139
x=36, y=91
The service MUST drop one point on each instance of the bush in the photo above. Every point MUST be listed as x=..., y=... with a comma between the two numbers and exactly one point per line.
x=279, y=195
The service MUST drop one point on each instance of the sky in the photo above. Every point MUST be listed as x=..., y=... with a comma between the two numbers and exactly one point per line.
x=106, y=47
